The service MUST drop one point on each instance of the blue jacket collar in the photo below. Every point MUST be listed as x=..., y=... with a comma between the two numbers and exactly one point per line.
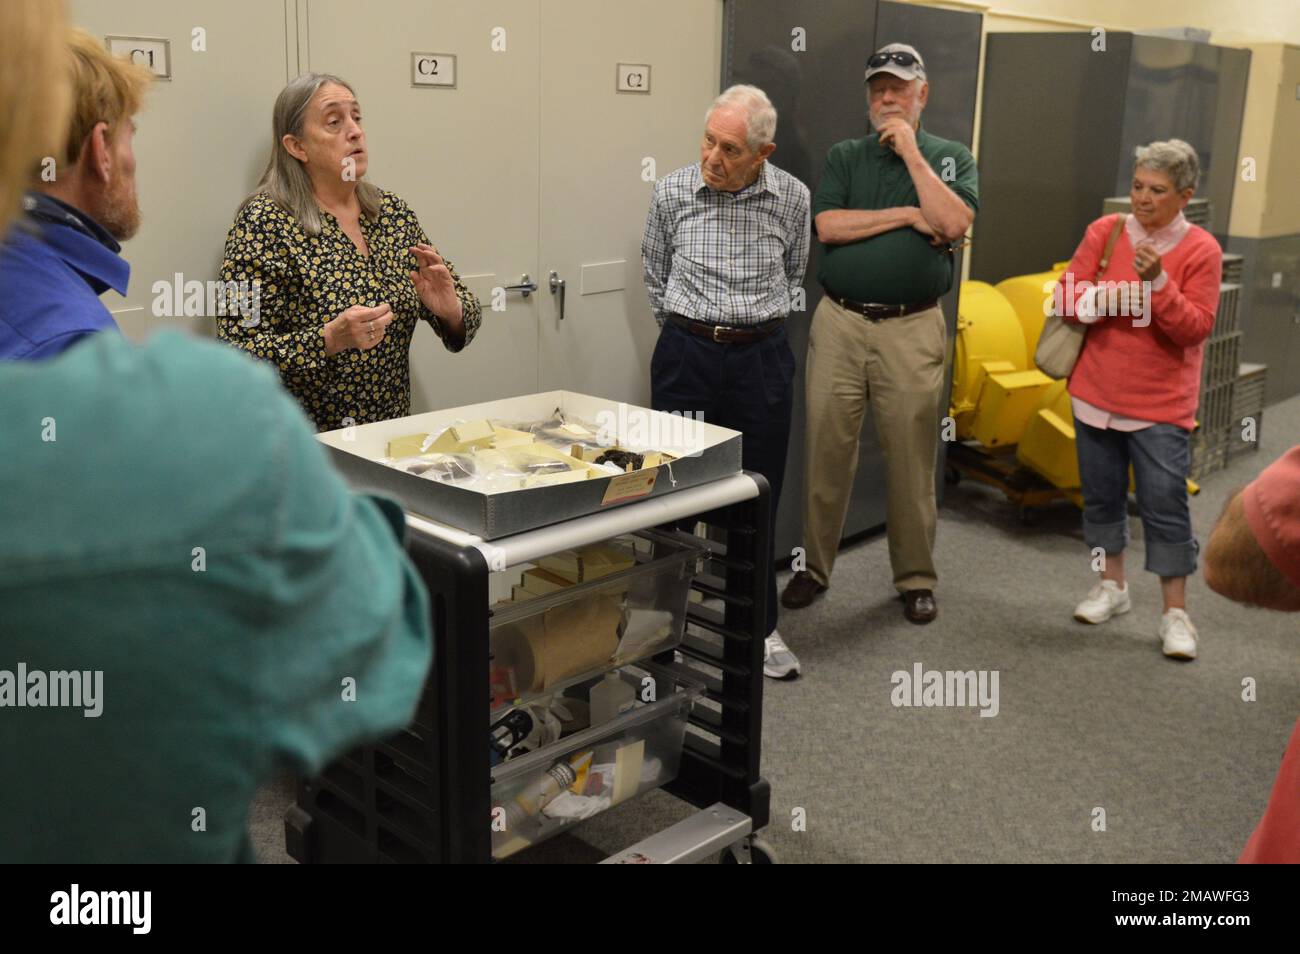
x=80, y=241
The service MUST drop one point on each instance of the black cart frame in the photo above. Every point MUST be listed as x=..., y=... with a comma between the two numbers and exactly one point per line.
x=424, y=794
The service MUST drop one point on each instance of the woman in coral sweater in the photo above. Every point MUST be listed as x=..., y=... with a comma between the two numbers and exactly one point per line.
x=1135, y=387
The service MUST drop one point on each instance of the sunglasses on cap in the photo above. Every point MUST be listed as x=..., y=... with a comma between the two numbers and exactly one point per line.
x=901, y=57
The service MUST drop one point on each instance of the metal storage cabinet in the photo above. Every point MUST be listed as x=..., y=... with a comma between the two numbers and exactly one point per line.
x=1270, y=313
x=424, y=795
x=1060, y=123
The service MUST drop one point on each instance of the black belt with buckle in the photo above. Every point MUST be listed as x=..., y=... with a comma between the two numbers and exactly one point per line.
x=880, y=312
x=727, y=334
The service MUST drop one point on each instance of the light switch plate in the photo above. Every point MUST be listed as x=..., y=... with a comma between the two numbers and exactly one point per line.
x=1277, y=279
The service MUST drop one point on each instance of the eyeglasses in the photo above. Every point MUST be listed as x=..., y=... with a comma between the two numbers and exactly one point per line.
x=901, y=57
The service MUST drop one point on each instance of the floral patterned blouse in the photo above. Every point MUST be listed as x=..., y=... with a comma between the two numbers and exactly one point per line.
x=299, y=282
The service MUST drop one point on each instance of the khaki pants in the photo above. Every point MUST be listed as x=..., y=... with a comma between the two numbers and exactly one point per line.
x=898, y=365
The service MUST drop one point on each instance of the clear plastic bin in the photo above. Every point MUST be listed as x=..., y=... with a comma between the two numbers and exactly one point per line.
x=533, y=796
x=545, y=643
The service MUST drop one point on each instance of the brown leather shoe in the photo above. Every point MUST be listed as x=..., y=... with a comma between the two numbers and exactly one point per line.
x=801, y=591
x=919, y=606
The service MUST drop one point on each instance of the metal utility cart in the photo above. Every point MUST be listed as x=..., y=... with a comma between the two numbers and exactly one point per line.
x=424, y=795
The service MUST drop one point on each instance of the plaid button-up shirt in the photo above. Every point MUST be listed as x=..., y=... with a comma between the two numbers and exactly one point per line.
x=721, y=257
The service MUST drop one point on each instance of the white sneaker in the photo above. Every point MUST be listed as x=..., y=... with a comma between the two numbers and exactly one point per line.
x=778, y=661
x=1104, y=601
x=1178, y=635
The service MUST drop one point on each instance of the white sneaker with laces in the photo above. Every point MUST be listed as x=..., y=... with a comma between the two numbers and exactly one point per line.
x=1103, y=601
x=1178, y=635
x=778, y=661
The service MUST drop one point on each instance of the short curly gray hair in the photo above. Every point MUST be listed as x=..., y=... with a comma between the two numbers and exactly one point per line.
x=1174, y=158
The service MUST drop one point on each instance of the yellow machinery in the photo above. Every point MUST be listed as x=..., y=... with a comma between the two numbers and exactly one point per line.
x=994, y=385
x=1001, y=401
x=1028, y=296
x=1047, y=447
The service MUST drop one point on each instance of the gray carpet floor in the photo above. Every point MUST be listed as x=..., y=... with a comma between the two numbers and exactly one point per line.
x=1090, y=717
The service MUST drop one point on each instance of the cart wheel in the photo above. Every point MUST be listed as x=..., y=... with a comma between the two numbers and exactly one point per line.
x=951, y=475
x=758, y=852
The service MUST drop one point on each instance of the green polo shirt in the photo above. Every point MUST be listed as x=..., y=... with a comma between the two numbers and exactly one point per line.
x=898, y=267
x=169, y=521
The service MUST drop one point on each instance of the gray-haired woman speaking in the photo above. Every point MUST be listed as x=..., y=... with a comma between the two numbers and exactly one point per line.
x=332, y=273
x=1137, y=381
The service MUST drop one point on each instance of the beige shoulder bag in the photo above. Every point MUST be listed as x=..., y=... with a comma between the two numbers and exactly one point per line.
x=1060, y=343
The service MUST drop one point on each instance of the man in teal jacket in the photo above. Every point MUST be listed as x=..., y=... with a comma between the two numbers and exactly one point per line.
x=190, y=600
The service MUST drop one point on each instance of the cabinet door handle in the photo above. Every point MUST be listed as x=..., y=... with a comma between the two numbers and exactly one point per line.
x=557, y=285
x=525, y=287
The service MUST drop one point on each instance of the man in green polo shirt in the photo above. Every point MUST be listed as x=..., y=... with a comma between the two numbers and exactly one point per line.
x=886, y=211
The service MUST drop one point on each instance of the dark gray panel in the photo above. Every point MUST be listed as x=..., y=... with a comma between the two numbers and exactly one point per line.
x=949, y=42
x=818, y=93
x=820, y=99
x=1220, y=173
x=1190, y=91
x=1051, y=116
x=1222, y=178
x=1270, y=317
x=1061, y=121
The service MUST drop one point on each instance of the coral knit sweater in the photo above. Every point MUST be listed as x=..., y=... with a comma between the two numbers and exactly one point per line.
x=1151, y=373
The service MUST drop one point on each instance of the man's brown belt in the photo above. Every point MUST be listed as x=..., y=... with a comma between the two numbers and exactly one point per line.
x=727, y=334
x=881, y=312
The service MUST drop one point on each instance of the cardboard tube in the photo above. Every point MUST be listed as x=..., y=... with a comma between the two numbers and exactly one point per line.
x=568, y=640
x=580, y=636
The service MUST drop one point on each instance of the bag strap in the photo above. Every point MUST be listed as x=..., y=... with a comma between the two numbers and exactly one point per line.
x=1110, y=245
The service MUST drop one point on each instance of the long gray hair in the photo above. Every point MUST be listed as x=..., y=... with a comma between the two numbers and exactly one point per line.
x=285, y=179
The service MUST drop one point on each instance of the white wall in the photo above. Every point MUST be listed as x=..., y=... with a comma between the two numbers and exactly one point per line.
x=202, y=136
x=533, y=162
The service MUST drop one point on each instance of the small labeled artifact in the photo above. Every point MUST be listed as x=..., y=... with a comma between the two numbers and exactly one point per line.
x=496, y=456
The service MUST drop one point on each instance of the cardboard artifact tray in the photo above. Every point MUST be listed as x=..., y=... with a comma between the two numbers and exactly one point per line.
x=697, y=452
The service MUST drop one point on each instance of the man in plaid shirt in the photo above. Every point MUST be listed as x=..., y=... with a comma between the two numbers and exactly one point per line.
x=724, y=252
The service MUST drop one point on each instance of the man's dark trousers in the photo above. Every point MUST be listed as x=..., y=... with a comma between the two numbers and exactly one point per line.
x=745, y=387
